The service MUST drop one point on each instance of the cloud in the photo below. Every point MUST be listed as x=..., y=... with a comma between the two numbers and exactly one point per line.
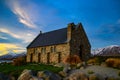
x=2, y=37
x=110, y=28
x=26, y=36
x=23, y=14
x=10, y=33
x=6, y=48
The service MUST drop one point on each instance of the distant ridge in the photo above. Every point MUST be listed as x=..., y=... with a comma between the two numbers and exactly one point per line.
x=112, y=50
x=11, y=56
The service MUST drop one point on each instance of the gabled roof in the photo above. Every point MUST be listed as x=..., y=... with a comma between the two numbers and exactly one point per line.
x=50, y=38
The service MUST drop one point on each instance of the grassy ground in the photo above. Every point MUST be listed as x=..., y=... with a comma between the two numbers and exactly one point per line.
x=9, y=69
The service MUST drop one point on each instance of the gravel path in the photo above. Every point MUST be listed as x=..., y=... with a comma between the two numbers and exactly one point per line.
x=99, y=70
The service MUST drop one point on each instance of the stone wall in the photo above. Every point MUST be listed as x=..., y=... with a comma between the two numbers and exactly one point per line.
x=79, y=42
x=62, y=50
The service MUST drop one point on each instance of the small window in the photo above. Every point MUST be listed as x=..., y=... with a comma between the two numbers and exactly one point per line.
x=43, y=50
x=54, y=48
x=51, y=49
x=35, y=50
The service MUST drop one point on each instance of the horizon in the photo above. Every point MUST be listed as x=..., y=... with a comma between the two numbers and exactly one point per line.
x=22, y=20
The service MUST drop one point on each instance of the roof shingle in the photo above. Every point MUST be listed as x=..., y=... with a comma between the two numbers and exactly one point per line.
x=50, y=38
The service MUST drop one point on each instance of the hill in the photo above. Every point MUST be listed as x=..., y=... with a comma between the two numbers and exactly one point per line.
x=113, y=50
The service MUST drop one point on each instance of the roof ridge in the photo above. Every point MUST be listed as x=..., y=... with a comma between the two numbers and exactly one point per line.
x=54, y=30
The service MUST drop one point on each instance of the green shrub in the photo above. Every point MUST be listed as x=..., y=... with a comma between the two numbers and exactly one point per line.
x=90, y=72
x=119, y=73
x=93, y=77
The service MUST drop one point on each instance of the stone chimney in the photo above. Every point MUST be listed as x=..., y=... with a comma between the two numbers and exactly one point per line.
x=40, y=32
x=70, y=28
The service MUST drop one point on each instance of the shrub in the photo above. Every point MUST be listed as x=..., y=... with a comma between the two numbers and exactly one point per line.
x=119, y=73
x=93, y=77
x=90, y=72
x=19, y=61
x=113, y=62
x=93, y=61
x=73, y=59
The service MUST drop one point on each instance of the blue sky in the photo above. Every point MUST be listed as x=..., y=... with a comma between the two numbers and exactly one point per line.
x=22, y=20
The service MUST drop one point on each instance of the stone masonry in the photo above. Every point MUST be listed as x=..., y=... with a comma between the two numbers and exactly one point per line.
x=77, y=43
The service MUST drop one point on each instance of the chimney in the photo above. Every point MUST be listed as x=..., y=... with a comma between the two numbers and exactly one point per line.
x=40, y=32
x=70, y=28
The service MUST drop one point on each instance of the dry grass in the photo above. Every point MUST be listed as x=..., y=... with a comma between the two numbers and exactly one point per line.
x=73, y=59
x=93, y=61
x=19, y=61
x=113, y=62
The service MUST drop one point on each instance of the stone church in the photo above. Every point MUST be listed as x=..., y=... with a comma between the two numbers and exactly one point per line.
x=55, y=46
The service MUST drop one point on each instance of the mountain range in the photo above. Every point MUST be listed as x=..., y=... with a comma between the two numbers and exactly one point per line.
x=12, y=55
x=113, y=50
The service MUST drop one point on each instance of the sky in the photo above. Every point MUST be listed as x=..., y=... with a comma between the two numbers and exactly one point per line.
x=22, y=20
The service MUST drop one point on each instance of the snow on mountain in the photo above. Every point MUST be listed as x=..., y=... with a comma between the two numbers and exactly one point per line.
x=113, y=50
x=12, y=55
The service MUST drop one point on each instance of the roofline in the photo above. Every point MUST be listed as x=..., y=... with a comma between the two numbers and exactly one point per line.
x=43, y=34
x=85, y=34
x=54, y=30
x=48, y=45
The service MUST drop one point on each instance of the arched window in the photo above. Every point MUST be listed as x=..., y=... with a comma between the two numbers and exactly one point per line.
x=36, y=50
x=44, y=50
x=51, y=50
x=41, y=50
x=54, y=48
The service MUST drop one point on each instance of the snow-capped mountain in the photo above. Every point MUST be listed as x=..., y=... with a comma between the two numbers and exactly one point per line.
x=113, y=50
x=12, y=55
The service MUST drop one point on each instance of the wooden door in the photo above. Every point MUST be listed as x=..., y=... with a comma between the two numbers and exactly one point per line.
x=48, y=58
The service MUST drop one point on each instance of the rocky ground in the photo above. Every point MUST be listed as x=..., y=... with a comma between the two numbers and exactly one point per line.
x=93, y=72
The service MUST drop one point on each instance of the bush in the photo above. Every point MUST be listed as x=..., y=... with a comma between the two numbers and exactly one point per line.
x=73, y=59
x=90, y=72
x=119, y=73
x=93, y=77
x=113, y=62
x=19, y=61
x=93, y=61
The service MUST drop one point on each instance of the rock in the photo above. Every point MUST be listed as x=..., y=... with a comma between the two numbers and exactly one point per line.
x=79, y=65
x=26, y=75
x=77, y=76
x=47, y=75
x=59, y=65
x=34, y=78
x=66, y=68
x=81, y=68
x=103, y=64
x=63, y=74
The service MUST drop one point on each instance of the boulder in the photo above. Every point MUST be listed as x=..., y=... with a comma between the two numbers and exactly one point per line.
x=59, y=65
x=77, y=76
x=47, y=75
x=79, y=65
x=63, y=74
x=26, y=75
x=66, y=68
